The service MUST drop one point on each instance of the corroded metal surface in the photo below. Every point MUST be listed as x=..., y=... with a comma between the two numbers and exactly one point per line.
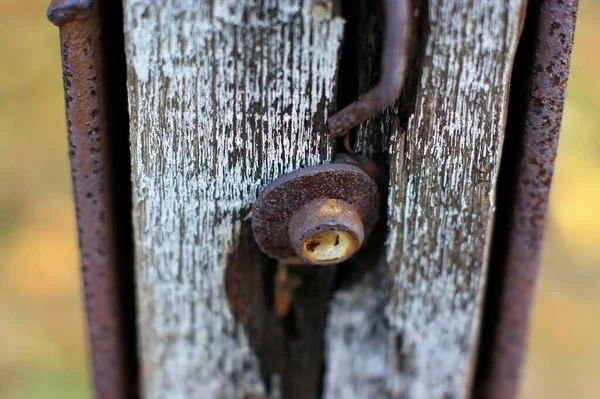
x=279, y=201
x=85, y=96
x=393, y=70
x=541, y=68
x=326, y=231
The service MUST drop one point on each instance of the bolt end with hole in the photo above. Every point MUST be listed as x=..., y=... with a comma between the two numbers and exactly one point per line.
x=319, y=215
x=326, y=231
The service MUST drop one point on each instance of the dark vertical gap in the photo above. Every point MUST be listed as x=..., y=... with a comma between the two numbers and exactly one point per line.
x=302, y=377
x=115, y=80
x=506, y=193
x=416, y=48
x=268, y=286
x=359, y=76
x=351, y=72
x=363, y=54
x=348, y=67
x=347, y=92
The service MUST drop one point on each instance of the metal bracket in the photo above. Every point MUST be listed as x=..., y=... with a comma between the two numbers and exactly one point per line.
x=393, y=70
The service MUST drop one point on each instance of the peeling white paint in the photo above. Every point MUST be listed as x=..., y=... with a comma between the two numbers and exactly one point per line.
x=440, y=218
x=360, y=360
x=440, y=212
x=221, y=102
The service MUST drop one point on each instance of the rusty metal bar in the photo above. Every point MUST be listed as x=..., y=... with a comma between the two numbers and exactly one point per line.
x=103, y=248
x=393, y=70
x=538, y=83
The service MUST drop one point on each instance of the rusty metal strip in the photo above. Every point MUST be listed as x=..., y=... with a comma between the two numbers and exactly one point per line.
x=393, y=70
x=90, y=134
x=539, y=83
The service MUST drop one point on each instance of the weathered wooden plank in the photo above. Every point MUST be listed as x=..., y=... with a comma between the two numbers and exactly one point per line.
x=442, y=192
x=224, y=96
x=443, y=169
x=360, y=358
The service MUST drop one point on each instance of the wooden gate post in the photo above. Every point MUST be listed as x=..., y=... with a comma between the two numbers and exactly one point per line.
x=226, y=96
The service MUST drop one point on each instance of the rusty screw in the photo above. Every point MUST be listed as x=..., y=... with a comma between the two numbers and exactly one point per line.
x=318, y=215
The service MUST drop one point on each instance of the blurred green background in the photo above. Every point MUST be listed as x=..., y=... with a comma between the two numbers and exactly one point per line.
x=43, y=353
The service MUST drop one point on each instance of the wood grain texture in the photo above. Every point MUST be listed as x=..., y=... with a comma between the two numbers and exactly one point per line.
x=360, y=358
x=224, y=96
x=443, y=170
x=442, y=185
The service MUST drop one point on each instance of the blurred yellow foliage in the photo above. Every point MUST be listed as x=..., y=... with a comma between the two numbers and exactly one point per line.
x=560, y=313
x=575, y=205
x=43, y=351
x=40, y=261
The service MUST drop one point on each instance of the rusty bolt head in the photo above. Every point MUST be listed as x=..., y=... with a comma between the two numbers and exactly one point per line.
x=317, y=215
x=326, y=231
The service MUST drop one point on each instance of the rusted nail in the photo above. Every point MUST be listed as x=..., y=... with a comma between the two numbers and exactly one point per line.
x=318, y=215
x=393, y=69
x=91, y=76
